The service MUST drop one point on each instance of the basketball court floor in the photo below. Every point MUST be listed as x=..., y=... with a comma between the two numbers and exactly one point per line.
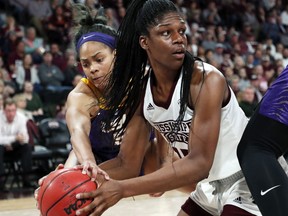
x=144, y=205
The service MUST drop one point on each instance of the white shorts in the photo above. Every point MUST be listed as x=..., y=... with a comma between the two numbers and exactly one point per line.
x=236, y=194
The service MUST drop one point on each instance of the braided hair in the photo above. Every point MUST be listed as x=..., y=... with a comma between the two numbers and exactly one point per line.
x=127, y=80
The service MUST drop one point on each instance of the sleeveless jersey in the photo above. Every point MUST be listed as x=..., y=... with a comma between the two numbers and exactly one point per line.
x=274, y=104
x=102, y=142
x=233, y=122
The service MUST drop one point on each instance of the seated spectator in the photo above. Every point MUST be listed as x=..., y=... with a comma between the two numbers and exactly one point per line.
x=21, y=104
x=12, y=26
x=246, y=99
x=14, y=140
x=57, y=27
x=9, y=44
x=33, y=45
x=33, y=100
x=6, y=90
x=244, y=81
x=71, y=70
x=255, y=82
x=4, y=75
x=58, y=58
x=27, y=71
x=15, y=58
x=51, y=77
x=19, y=10
x=39, y=11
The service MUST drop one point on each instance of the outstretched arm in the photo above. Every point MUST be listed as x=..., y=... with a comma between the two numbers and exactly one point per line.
x=78, y=118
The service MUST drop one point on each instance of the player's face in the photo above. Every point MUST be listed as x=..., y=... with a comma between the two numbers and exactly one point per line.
x=97, y=62
x=166, y=42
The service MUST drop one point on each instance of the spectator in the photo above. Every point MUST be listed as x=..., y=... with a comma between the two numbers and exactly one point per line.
x=285, y=56
x=12, y=26
x=243, y=79
x=255, y=82
x=71, y=70
x=14, y=140
x=249, y=60
x=27, y=71
x=247, y=100
x=218, y=53
x=34, y=102
x=58, y=58
x=21, y=104
x=270, y=27
x=4, y=75
x=9, y=43
x=279, y=51
x=15, y=58
x=51, y=77
x=33, y=45
x=57, y=27
x=39, y=11
x=18, y=9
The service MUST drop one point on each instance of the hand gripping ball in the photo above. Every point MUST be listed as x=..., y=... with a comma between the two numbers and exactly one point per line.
x=57, y=195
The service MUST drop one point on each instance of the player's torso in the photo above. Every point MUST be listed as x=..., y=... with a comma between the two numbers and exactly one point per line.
x=233, y=122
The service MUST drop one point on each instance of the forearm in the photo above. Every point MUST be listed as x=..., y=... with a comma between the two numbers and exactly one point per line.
x=179, y=174
x=82, y=147
x=71, y=160
x=116, y=169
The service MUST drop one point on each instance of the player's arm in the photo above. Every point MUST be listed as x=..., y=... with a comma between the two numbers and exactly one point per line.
x=128, y=162
x=79, y=125
x=79, y=109
x=192, y=168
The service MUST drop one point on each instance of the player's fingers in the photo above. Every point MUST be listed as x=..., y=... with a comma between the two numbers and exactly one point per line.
x=40, y=181
x=36, y=193
x=60, y=166
x=90, y=194
x=102, y=172
x=85, y=169
x=87, y=209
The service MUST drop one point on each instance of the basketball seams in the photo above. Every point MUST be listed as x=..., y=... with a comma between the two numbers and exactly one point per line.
x=66, y=194
x=41, y=199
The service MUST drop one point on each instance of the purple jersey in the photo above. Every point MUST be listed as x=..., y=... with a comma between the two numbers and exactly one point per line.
x=275, y=101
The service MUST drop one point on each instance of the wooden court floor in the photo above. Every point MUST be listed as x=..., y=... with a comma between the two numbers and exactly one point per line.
x=144, y=205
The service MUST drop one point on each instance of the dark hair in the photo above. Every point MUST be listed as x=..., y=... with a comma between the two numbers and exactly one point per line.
x=127, y=81
x=84, y=22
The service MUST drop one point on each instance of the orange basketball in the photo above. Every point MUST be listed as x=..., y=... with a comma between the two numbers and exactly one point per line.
x=57, y=195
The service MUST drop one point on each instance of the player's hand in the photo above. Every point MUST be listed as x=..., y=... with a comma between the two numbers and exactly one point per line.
x=91, y=169
x=107, y=195
x=40, y=182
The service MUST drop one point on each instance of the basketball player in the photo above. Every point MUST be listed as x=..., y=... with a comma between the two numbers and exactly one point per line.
x=95, y=46
x=264, y=140
x=188, y=102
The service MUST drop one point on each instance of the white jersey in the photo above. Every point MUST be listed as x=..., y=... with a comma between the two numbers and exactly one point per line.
x=233, y=123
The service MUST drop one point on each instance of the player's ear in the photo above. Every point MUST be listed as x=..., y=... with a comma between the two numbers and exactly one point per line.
x=143, y=42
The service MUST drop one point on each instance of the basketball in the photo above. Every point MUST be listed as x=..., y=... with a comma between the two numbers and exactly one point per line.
x=57, y=195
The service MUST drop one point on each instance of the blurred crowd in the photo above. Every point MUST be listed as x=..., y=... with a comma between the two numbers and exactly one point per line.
x=246, y=40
